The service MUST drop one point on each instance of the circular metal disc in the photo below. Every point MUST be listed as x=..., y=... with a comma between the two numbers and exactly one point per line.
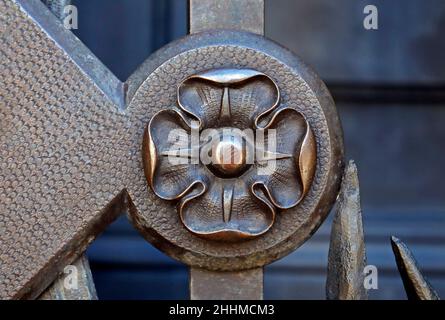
x=154, y=87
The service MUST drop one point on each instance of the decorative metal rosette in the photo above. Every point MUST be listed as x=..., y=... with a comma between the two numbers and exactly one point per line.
x=242, y=150
x=248, y=159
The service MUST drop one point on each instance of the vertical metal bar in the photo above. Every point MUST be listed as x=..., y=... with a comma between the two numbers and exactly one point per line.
x=245, y=15
x=215, y=285
x=242, y=15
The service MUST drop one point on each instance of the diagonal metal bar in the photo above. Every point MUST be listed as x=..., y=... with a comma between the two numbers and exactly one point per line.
x=84, y=289
x=61, y=148
x=245, y=15
x=347, y=254
x=416, y=285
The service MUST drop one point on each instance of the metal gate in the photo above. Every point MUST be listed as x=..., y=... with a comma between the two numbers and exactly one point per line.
x=79, y=147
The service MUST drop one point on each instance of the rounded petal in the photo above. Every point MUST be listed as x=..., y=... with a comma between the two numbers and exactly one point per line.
x=286, y=160
x=171, y=163
x=234, y=97
x=228, y=211
x=202, y=99
x=252, y=99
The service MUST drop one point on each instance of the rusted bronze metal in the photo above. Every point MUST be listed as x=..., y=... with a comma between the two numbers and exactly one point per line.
x=234, y=110
x=416, y=285
x=84, y=289
x=347, y=253
x=230, y=285
x=76, y=284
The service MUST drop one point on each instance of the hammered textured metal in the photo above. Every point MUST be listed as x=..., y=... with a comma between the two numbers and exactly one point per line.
x=60, y=157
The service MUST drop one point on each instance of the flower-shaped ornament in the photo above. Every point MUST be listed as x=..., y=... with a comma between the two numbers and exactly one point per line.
x=229, y=154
